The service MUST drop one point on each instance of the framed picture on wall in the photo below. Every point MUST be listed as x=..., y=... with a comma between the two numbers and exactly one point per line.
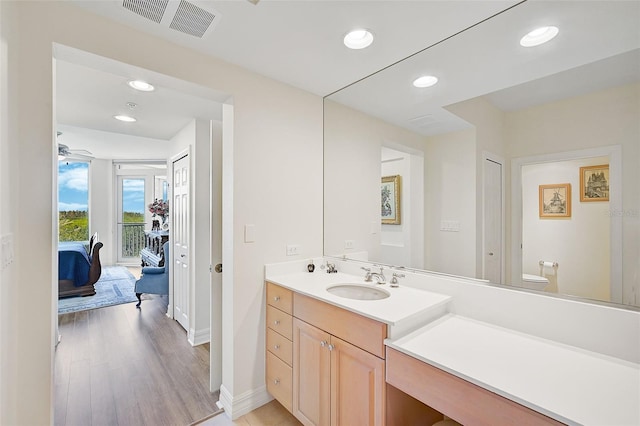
x=555, y=200
x=594, y=183
x=390, y=199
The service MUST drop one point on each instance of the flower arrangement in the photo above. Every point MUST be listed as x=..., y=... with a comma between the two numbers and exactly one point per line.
x=159, y=208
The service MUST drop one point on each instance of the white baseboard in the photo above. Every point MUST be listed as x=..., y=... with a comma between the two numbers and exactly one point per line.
x=242, y=404
x=199, y=337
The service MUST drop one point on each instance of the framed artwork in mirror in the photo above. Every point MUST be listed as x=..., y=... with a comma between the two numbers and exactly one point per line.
x=555, y=200
x=594, y=183
x=390, y=199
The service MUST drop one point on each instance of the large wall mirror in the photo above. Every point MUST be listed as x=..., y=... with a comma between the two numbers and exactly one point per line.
x=520, y=166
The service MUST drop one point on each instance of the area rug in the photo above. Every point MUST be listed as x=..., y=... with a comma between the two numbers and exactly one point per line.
x=114, y=287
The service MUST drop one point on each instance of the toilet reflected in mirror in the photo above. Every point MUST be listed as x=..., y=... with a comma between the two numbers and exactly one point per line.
x=546, y=280
x=534, y=282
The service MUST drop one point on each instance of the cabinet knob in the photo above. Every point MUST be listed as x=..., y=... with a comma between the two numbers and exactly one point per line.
x=323, y=343
x=276, y=382
x=276, y=299
x=276, y=347
x=277, y=322
x=331, y=347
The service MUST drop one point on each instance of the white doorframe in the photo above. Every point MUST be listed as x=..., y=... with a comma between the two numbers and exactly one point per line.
x=614, y=152
x=215, y=241
x=487, y=156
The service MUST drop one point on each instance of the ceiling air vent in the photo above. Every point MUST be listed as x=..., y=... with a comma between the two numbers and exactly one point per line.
x=150, y=9
x=191, y=19
x=423, y=121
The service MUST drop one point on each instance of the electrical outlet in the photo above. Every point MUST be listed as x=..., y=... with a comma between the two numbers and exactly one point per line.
x=348, y=244
x=293, y=249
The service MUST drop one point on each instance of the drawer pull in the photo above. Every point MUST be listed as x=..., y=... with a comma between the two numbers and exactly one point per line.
x=276, y=299
x=276, y=347
x=277, y=322
x=276, y=382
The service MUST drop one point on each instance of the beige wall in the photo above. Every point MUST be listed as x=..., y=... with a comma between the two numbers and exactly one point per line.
x=450, y=173
x=8, y=215
x=580, y=245
x=277, y=162
x=101, y=207
x=489, y=124
x=353, y=143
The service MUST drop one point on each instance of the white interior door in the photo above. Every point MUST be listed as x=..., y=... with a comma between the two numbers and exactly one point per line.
x=180, y=241
x=492, y=226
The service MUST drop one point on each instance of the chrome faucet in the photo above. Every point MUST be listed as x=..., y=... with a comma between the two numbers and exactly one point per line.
x=379, y=276
x=331, y=268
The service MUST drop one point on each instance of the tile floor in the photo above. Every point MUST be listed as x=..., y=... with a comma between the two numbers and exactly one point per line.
x=270, y=414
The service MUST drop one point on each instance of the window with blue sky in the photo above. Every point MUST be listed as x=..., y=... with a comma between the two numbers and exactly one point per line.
x=73, y=201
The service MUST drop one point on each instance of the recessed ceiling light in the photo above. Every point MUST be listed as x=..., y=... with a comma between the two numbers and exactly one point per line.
x=425, y=81
x=539, y=36
x=358, y=39
x=141, y=85
x=125, y=118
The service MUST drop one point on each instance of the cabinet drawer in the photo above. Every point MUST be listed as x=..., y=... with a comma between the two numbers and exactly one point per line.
x=361, y=331
x=280, y=346
x=280, y=298
x=279, y=380
x=280, y=322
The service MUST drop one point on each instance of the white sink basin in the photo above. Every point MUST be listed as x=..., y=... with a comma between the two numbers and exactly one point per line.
x=358, y=292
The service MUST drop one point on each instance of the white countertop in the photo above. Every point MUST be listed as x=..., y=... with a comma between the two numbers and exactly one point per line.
x=568, y=384
x=404, y=305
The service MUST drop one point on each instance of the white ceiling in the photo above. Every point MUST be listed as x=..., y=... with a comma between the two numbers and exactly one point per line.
x=597, y=47
x=300, y=43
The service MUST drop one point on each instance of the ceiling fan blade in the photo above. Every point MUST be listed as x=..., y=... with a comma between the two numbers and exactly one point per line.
x=76, y=156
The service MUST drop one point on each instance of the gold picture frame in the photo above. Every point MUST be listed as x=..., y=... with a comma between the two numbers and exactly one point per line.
x=390, y=200
x=555, y=201
x=594, y=183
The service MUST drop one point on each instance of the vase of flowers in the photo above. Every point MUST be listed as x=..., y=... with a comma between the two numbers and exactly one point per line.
x=160, y=208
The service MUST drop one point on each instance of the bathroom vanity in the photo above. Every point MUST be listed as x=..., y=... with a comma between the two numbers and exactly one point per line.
x=412, y=354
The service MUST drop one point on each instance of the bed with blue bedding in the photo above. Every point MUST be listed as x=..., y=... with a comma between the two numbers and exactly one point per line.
x=78, y=268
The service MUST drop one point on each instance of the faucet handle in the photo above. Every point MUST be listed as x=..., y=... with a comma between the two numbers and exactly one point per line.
x=394, y=280
x=367, y=277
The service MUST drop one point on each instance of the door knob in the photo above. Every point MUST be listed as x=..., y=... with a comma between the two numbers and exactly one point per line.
x=218, y=268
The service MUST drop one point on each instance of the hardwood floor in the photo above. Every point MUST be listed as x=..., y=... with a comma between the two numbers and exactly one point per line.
x=271, y=414
x=125, y=366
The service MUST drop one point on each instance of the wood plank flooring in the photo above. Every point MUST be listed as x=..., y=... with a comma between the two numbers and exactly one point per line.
x=270, y=414
x=125, y=366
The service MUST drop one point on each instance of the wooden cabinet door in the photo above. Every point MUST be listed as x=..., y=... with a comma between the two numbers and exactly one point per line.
x=311, y=374
x=357, y=386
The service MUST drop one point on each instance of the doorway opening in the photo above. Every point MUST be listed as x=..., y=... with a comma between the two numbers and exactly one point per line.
x=581, y=251
x=126, y=160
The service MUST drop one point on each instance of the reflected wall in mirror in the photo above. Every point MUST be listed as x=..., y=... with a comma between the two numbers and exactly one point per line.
x=502, y=120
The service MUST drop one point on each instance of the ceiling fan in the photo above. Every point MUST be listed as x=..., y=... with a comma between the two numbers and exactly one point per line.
x=65, y=153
